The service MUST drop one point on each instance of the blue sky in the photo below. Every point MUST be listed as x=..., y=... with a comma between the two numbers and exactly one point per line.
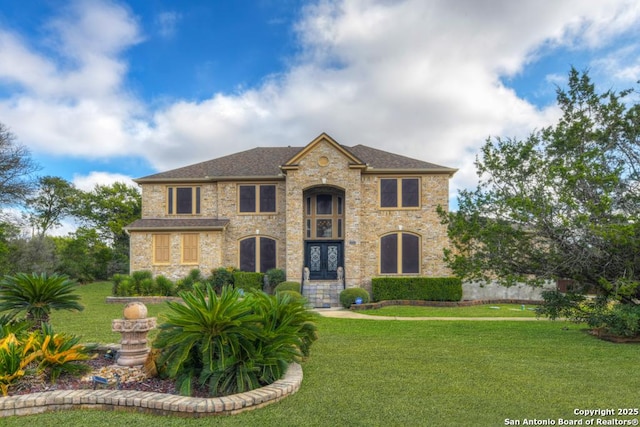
x=113, y=90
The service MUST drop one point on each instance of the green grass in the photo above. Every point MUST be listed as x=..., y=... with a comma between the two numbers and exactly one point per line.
x=486, y=310
x=395, y=373
x=93, y=324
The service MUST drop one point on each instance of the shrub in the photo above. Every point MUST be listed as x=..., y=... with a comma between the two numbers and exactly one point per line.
x=41, y=351
x=38, y=295
x=349, y=296
x=11, y=324
x=201, y=334
x=247, y=280
x=15, y=356
x=148, y=287
x=274, y=277
x=138, y=277
x=284, y=318
x=622, y=320
x=292, y=294
x=59, y=353
x=116, y=280
x=232, y=344
x=188, y=283
x=126, y=288
x=164, y=286
x=288, y=286
x=613, y=317
x=221, y=277
x=416, y=288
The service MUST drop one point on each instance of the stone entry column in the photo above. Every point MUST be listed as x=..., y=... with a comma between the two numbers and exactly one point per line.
x=134, y=329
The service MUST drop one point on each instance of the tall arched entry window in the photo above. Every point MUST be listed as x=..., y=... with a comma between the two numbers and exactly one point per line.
x=324, y=209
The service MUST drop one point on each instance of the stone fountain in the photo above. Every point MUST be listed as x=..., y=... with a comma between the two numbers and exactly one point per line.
x=134, y=328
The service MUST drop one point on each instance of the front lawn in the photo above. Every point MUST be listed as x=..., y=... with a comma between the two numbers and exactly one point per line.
x=415, y=373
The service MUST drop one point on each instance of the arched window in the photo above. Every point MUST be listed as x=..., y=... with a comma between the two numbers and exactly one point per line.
x=324, y=216
x=400, y=253
x=257, y=254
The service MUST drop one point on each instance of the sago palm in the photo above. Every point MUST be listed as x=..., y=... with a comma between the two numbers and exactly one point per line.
x=37, y=295
x=201, y=334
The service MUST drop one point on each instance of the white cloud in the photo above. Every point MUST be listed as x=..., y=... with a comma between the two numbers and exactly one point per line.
x=88, y=182
x=414, y=77
x=73, y=101
x=421, y=78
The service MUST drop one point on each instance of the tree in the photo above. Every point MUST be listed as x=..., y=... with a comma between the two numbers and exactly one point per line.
x=8, y=233
x=33, y=255
x=84, y=256
x=53, y=200
x=562, y=204
x=108, y=209
x=16, y=169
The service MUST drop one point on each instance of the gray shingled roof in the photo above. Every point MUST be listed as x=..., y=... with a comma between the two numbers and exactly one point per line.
x=177, y=224
x=266, y=162
x=379, y=159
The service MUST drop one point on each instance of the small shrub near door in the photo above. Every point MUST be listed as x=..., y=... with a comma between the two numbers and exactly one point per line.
x=349, y=296
x=288, y=286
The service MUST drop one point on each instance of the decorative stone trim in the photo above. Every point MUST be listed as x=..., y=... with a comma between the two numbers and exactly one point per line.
x=153, y=403
x=421, y=303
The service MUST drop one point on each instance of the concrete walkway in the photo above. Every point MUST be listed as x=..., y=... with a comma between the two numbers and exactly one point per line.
x=343, y=313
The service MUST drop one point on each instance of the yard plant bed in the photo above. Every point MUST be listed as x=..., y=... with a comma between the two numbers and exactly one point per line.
x=101, y=366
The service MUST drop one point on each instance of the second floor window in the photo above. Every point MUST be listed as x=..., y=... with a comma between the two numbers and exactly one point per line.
x=257, y=198
x=183, y=200
x=400, y=253
x=399, y=193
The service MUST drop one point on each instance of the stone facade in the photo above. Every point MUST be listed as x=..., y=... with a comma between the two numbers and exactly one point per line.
x=322, y=166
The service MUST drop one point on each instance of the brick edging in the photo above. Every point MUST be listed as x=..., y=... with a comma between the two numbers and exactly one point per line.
x=421, y=303
x=151, y=402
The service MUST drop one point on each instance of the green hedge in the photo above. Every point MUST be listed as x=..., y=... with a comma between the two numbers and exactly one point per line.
x=248, y=280
x=416, y=288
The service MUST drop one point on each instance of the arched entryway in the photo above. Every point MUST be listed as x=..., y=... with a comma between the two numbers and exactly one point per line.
x=324, y=232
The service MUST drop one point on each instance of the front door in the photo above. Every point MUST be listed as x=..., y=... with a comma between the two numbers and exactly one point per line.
x=323, y=259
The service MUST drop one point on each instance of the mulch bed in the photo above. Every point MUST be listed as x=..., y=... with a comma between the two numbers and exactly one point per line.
x=604, y=335
x=100, y=366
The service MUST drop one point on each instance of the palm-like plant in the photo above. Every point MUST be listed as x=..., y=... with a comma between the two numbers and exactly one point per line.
x=200, y=335
x=38, y=295
x=232, y=343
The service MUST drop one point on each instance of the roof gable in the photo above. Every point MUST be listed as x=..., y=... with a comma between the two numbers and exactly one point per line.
x=292, y=163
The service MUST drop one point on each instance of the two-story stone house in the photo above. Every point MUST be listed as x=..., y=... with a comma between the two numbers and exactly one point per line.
x=331, y=216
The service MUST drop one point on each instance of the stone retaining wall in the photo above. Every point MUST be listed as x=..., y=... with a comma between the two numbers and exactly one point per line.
x=152, y=403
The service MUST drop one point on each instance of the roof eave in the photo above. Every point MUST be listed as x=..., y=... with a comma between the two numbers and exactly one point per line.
x=404, y=171
x=177, y=228
x=207, y=179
